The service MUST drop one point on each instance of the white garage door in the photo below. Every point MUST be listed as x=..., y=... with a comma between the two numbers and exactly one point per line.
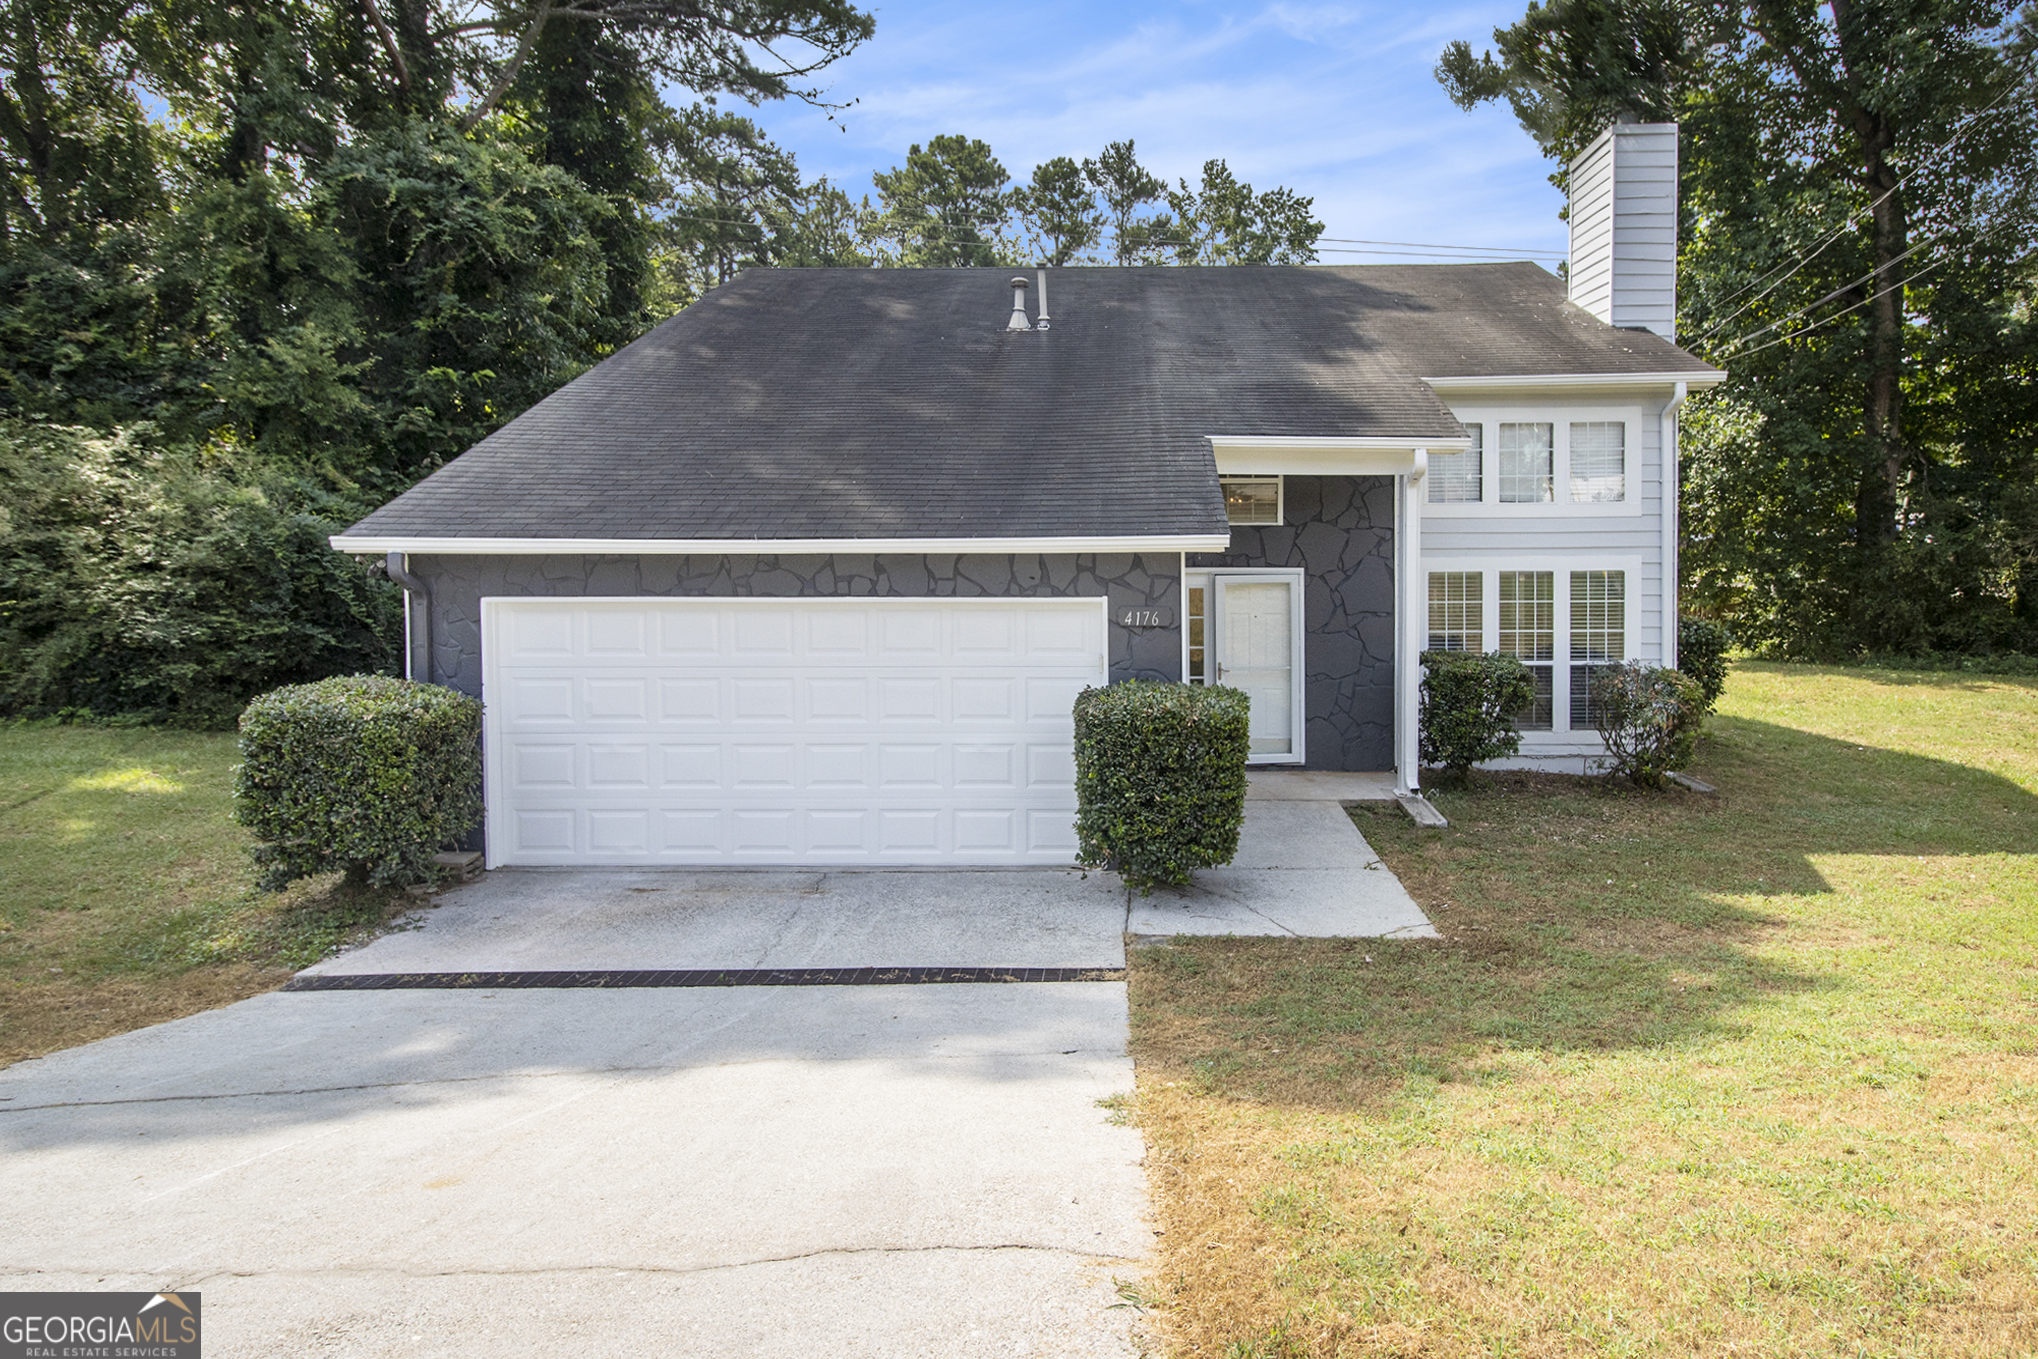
x=770, y=731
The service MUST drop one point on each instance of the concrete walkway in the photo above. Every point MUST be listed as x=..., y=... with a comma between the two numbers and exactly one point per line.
x=842, y=1170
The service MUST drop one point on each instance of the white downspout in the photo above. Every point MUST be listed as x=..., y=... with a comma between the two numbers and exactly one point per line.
x=1409, y=632
x=1667, y=439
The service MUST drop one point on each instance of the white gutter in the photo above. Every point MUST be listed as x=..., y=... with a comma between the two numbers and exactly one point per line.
x=1712, y=377
x=1411, y=625
x=782, y=547
x=1667, y=439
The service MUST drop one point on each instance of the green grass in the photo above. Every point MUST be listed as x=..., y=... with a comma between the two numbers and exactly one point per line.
x=1754, y=1074
x=126, y=891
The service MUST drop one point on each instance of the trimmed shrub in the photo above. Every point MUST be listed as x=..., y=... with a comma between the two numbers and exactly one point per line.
x=1469, y=703
x=364, y=773
x=1702, y=647
x=1160, y=778
x=1650, y=718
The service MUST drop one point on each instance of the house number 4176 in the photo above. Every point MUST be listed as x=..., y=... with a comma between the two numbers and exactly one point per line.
x=1143, y=618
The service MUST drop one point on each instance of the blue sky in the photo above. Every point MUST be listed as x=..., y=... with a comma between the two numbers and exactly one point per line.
x=1336, y=101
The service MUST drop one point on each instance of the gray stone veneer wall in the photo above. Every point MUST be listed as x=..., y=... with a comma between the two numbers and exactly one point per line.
x=1129, y=580
x=1340, y=531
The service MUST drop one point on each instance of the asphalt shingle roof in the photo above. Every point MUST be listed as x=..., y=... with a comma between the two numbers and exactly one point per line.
x=886, y=403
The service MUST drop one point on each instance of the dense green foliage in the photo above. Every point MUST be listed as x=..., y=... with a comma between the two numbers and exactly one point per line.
x=1702, y=646
x=165, y=585
x=1469, y=703
x=1649, y=718
x=1860, y=251
x=1160, y=778
x=361, y=773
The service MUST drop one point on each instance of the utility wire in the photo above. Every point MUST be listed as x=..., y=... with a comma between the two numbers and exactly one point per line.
x=1839, y=292
x=1853, y=220
x=1806, y=330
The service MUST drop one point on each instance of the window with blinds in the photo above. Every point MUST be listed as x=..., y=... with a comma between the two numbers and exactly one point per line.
x=1457, y=606
x=1528, y=632
x=1457, y=478
x=1599, y=460
x=1598, y=637
x=1527, y=463
x=1251, y=500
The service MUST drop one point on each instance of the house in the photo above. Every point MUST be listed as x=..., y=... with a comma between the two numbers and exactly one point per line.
x=811, y=573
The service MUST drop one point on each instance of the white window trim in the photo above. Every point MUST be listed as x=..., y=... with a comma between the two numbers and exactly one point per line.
x=1637, y=419
x=1561, y=739
x=1280, y=481
x=1205, y=577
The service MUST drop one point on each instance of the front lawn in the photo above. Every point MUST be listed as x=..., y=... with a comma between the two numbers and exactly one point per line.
x=1754, y=1074
x=126, y=891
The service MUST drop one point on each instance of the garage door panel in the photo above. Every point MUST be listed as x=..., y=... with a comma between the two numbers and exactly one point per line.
x=838, y=700
x=690, y=702
x=612, y=699
x=908, y=700
x=985, y=699
x=612, y=634
x=542, y=766
x=754, y=731
x=763, y=634
x=689, y=635
x=537, y=636
x=619, y=766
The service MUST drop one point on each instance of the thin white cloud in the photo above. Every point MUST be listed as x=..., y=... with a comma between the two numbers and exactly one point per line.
x=1336, y=101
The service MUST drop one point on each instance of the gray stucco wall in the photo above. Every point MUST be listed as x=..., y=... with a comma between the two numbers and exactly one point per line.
x=1340, y=531
x=459, y=584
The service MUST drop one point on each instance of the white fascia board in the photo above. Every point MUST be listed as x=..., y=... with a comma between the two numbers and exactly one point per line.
x=1274, y=455
x=777, y=547
x=1707, y=377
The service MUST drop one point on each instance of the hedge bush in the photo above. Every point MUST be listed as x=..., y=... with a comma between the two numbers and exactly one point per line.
x=1469, y=703
x=1702, y=647
x=364, y=773
x=1160, y=778
x=1650, y=718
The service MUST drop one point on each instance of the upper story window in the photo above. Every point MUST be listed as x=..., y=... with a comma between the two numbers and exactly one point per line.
x=1251, y=500
x=1599, y=460
x=1456, y=478
x=1528, y=453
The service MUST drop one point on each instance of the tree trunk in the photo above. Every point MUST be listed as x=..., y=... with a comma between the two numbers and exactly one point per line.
x=1879, y=503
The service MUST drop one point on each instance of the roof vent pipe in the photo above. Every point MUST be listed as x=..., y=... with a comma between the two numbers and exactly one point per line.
x=1020, y=320
x=1041, y=324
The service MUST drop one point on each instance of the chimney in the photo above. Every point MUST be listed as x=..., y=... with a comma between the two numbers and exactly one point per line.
x=1019, y=321
x=1624, y=227
x=1041, y=324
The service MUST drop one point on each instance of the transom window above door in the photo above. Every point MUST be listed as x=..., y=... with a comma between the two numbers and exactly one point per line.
x=1251, y=500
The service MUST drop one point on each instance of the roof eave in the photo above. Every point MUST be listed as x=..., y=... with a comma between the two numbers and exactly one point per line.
x=443, y=546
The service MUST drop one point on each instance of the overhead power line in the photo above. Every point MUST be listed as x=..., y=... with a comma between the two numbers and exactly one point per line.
x=1853, y=220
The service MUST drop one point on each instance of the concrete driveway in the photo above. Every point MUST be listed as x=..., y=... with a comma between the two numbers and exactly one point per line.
x=496, y=1168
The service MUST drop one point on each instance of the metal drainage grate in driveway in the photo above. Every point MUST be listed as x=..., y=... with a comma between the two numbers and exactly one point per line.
x=714, y=976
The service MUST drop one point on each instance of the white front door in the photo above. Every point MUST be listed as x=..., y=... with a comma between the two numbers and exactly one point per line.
x=1257, y=642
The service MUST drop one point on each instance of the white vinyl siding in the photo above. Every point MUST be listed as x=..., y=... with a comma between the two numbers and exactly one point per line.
x=1527, y=462
x=1457, y=477
x=1599, y=461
